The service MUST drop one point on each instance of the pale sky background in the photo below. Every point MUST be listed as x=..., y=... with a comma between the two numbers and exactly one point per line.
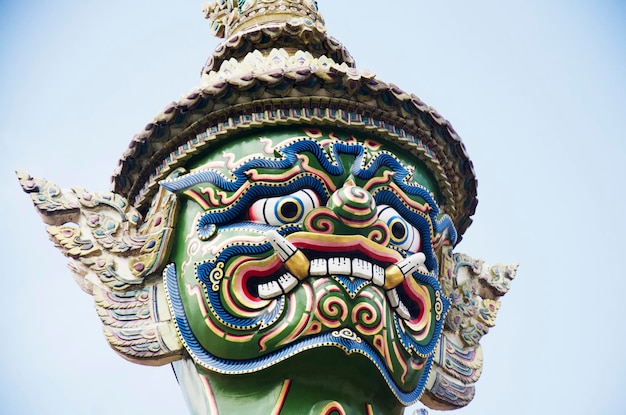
x=536, y=89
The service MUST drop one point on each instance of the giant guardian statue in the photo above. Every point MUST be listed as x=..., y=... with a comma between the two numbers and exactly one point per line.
x=284, y=235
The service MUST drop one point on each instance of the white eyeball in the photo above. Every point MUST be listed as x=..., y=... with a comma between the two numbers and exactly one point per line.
x=282, y=210
x=403, y=234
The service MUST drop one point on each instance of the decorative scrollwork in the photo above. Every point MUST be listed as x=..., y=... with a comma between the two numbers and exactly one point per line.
x=216, y=275
x=346, y=333
x=438, y=305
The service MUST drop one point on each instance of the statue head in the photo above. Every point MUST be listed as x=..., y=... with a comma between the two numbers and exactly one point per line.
x=284, y=233
x=305, y=238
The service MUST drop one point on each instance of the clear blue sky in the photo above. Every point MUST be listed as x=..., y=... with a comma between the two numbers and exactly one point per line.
x=536, y=89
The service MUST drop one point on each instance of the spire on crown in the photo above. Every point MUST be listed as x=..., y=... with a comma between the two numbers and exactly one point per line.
x=228, y=17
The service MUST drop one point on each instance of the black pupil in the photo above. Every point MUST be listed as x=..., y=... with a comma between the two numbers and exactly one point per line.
x=398, y=231
x=289, y=209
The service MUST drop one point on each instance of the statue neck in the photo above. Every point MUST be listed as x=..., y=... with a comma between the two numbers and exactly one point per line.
x=324, y=381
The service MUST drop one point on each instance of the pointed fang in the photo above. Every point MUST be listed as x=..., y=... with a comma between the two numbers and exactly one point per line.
x=283, y=247
x=403, y=311
x=295, y=261
x=412, y=263
x=396, y=273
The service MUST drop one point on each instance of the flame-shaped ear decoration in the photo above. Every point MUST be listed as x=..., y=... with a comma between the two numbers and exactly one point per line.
x=474, y=291
x=118, y=258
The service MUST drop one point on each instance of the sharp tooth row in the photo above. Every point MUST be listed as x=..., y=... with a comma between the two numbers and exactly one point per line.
x=271, y=289
x=297, y=262
x=287, y=282
x=345, y=266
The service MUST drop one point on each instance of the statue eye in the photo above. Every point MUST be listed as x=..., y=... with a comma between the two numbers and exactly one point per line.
x=281, y=210
x=403, y=234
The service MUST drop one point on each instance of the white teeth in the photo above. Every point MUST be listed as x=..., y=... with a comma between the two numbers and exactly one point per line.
x=299, y=265
x=287, y=282
x=393, y=297
x=361, y=269
x=318, y=267
x=275, y=288
x=403, y=311
x=339, y=266
x=412, y=263
x=269, y=290
x=378, y=275
x=283, y=247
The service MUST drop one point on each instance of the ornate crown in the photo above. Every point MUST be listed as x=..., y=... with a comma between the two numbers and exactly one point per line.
x=231, y=16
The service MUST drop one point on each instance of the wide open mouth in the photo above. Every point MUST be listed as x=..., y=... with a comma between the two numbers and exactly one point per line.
x=305, y=255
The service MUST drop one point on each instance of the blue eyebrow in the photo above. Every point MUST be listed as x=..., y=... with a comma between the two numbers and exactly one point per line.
x=331, y=164
x=290, y=158
x=260, y=191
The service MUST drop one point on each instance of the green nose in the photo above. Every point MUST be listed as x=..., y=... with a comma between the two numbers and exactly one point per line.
x=354, y=205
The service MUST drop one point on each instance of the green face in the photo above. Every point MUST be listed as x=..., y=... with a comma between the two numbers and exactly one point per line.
x=305, y=239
